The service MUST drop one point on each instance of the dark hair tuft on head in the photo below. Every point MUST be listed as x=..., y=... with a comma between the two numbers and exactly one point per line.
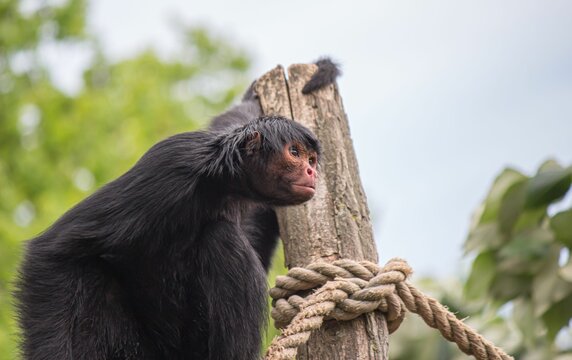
x=278, y=131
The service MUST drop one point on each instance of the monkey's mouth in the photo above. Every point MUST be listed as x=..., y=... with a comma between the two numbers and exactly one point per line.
x=306, y=190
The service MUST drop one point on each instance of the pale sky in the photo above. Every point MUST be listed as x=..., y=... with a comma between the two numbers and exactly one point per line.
x=440, y=95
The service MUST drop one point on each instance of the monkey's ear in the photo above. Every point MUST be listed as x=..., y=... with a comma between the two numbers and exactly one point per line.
x=253, y=143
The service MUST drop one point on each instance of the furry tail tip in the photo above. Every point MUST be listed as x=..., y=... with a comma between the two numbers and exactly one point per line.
x=327, y=73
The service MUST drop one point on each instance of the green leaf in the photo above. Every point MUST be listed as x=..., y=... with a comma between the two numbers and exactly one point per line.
x=526, y=252
x=561, y=224
x=558, y=316
x=511, y=206
x=523, y=315
x=547, y=187
x=548, y=287
x=481, y=276
x=502, y=183
x=530, y=219
x=507, y=287
x=549, y=165
x=565, y=272
x=484, y=237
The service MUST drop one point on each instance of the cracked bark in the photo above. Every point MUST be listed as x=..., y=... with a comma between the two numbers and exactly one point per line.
x=335, y=223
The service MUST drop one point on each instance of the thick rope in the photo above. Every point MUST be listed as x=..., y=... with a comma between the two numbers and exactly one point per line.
x=348, y=289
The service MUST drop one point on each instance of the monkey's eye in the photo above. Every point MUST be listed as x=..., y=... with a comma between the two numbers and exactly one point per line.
x=294, y=151
x=312, y=161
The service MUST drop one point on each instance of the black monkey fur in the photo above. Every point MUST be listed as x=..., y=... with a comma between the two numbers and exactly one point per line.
x=169, y=260
x=326, y=74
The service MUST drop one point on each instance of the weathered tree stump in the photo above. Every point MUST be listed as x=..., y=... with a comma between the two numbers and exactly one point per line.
x=335, y=223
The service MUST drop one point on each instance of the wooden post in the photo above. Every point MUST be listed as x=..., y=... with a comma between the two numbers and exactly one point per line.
x=335, y=223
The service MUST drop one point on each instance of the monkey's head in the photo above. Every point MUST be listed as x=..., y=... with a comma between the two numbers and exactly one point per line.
x=280, y=161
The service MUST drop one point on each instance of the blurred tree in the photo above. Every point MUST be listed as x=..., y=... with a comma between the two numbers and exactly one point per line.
x=519, y=290
x=56, y=148
x=521, y=239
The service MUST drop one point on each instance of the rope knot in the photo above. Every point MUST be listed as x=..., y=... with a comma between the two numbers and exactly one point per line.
x=365, y=286
x=348, y=289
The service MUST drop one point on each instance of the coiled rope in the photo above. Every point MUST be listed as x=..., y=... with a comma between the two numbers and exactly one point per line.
x=348, y=289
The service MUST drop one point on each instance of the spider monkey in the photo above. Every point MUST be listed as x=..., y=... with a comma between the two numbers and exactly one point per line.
x=169, y=260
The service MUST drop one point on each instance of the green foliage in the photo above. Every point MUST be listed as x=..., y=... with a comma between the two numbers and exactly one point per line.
x=277, y=268
x=518, y=293
x=522, y=258
x=25, y=24
x=55, y=148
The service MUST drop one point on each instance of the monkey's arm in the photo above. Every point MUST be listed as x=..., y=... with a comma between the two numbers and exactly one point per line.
x=261, y=228
x=234, y=313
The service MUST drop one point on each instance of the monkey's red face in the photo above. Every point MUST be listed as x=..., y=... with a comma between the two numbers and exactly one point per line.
x=289, y=177
x=300, y=170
